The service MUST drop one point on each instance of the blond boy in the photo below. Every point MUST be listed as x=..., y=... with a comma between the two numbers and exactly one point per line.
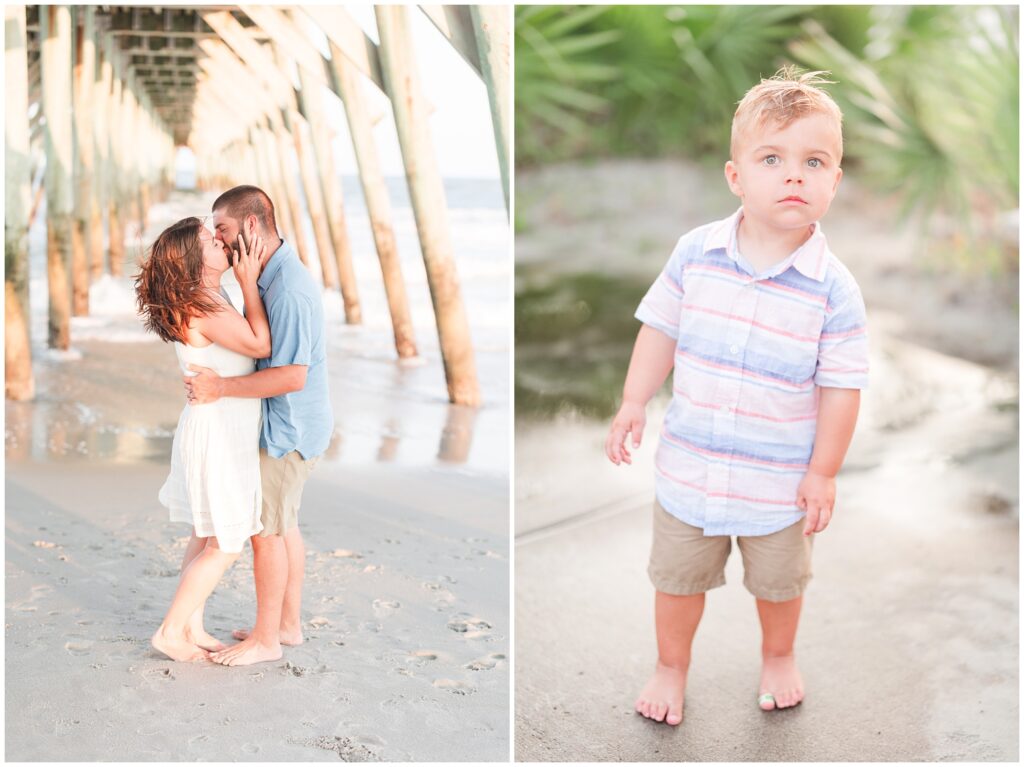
x=765, y=331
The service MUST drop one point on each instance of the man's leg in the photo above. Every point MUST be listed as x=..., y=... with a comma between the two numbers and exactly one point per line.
x=779, y=675
x=675, y=621
x=291, y=620
x=270, y=569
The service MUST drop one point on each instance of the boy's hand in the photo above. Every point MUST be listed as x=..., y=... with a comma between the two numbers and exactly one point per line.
x=816, y=495
x=630, y=419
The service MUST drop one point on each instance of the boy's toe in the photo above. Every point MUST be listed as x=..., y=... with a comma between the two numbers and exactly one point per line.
x=660, y=709
x=766, y=701
x=675, y=714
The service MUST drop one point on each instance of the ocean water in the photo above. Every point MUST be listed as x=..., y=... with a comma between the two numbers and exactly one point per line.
x=385, y=411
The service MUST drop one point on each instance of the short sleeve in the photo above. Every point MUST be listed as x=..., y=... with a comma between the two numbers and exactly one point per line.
x=661, y=305
x=291, y=331
x=843, y=347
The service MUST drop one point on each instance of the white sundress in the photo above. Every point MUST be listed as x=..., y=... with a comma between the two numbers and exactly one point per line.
x=214, y=483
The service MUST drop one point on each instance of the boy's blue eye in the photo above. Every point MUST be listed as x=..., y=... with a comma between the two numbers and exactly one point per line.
x=814, y=162
x=772, y=159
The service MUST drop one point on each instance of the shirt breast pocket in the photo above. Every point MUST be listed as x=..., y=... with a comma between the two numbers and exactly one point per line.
x=799, y=331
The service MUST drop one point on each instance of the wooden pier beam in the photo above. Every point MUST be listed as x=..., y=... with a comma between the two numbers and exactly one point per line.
x=493, y=38
x=82, y=87
x=426, y=189
x=299, y=130
x=101, y=104
x=311, y=104
x=55, y=42
x=18, y=381
x=349, y=86
x=114, y=182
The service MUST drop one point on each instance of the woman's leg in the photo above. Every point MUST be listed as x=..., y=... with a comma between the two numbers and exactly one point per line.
x=197, y=583
x=194, y=631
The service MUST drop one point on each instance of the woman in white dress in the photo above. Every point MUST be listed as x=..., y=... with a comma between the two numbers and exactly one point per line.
x=214, y=484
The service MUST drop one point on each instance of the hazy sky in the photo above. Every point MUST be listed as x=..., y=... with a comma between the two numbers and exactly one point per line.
x=461, y=123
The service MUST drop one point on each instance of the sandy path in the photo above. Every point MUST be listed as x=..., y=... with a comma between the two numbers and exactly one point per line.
x=405, y=612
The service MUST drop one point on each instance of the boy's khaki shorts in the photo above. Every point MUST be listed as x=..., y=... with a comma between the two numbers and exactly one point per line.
x=684, y=561
x=282, y=480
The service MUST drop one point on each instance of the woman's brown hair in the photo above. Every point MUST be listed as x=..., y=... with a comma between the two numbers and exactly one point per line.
x=168, y=287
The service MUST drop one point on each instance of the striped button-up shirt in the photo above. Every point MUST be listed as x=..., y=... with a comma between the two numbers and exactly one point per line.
x=751, y=351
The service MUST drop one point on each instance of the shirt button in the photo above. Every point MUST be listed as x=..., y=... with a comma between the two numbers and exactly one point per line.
x=734, y=349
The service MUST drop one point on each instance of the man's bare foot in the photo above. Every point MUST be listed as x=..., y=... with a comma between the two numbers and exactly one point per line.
x=201, y=639
x=781, y=685
x=290, y=638
x=246, y=653
x=177, y=648
x=662, y=696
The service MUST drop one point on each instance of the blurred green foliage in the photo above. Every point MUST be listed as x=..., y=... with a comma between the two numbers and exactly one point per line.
x=929, y=93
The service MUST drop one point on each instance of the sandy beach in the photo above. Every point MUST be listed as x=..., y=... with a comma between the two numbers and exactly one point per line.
x=406, y=611
x=909, y=638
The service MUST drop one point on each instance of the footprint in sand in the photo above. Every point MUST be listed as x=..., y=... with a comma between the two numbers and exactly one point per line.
x=346, y=749
x=159, y=673
x=487, y=553
x=421, y=657
x=486, y=663
x=318, y=622
x=78, y=646
x=346, y=554
x=383, y=608
x=471, y=627
x=442, y=595
x=454, y=686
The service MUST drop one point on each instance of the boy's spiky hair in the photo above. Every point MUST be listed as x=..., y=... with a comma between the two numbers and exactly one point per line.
x=785, y=96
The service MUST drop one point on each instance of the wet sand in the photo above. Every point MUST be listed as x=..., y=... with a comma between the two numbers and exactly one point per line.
x=909, y=640
x=405, y=612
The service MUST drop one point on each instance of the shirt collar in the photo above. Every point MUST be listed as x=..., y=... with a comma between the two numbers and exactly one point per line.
x=810, y=259
x=274, y=264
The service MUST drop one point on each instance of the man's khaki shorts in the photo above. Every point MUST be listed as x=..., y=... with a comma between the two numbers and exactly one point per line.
x=684, y=561
x=282, y=480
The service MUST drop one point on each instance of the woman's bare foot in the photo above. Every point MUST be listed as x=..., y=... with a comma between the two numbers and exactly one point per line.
x=205, y=641
x=177, y=648
x=781, y=685
x=290, y=638
x=246, y=653
x=662, y=696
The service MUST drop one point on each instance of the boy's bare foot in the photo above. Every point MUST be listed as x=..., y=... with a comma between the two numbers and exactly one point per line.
x=177, y=648
x=205, y=641
x=290, y=638
x=662, y=696
x=781, y=685
x=246, y=653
